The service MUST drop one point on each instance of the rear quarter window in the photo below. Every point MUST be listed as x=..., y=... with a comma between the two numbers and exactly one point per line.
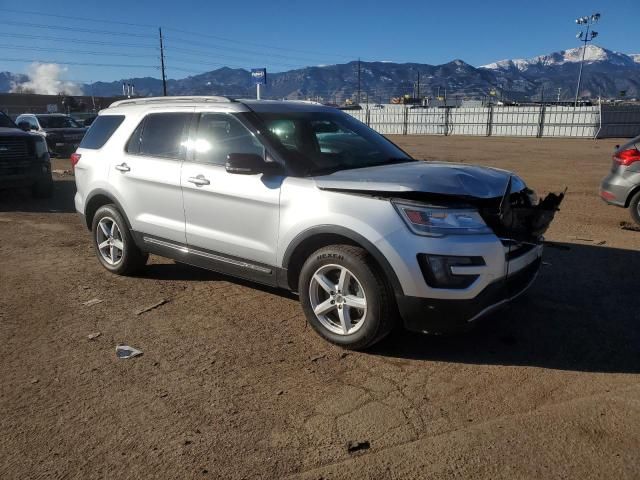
x=100, y=131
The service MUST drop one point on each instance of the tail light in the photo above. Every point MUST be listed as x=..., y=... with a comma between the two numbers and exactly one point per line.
x=75, y=158
x=627, y=157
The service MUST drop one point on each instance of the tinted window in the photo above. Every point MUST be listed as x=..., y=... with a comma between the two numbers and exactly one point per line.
x=321, y=142
x=219, y=135
x=163, y=135
x=101, y=130
x=57, y=122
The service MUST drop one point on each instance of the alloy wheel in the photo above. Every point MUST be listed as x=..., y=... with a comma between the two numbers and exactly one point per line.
x=338, y=299
x=109, y=241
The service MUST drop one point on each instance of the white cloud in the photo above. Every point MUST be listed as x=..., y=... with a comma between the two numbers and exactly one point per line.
x=45, y=78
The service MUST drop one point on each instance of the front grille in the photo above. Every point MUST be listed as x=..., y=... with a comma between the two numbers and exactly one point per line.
x=15, y=149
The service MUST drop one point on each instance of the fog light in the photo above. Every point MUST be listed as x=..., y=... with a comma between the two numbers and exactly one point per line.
x=436, y=270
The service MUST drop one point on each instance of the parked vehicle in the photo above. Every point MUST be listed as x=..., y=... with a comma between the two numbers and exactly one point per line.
x=24, y=160
x=304, y=197
x=62, y=132
x=622, y=186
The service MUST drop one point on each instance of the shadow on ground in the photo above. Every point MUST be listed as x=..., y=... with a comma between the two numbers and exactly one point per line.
x=582, y=314
x=20, y=200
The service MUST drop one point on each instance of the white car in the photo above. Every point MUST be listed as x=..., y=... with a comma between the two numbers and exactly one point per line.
x=304, y=197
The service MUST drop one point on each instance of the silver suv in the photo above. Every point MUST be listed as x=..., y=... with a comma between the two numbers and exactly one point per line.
x=304, y=197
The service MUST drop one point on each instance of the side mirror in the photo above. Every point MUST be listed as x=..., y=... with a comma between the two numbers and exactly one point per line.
x=249, y=164
x=24, y=126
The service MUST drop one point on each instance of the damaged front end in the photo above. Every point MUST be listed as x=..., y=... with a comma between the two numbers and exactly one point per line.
x=519, y=216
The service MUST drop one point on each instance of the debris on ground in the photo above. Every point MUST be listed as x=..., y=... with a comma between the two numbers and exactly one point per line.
x=35, y=380
x=318, y=357
x=279, y=392
x=602, y=242
x=629, y=226
x=93, y=301
x=583, y=239
x=125, y=351
x=353, y=447
x=152, y=307
x=93, y=336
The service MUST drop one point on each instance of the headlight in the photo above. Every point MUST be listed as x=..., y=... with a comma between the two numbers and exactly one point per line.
x=440, y=221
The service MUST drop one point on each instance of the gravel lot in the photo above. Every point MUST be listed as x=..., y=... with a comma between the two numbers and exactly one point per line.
x=233, y=384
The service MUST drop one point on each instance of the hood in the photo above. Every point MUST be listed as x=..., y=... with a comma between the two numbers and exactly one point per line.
x=438, y=178
x=13, y=132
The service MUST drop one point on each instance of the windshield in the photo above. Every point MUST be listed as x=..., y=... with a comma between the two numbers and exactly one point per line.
x=5, y=122
x=316, y=143
x=57, y=122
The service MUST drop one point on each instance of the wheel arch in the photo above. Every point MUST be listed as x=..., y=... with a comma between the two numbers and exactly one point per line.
x=97, y=199
x=633, y=191
x=308, y=241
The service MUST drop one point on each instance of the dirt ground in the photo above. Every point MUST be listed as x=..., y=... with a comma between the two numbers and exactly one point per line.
x=233, y=384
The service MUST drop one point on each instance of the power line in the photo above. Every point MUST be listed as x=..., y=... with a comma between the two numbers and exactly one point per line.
x=76, y=40
x=240, y=42
x=26, y=60
x=84, y=19
x=87, y=52
x=233, y=49
x=74, y=29
x=218, y=55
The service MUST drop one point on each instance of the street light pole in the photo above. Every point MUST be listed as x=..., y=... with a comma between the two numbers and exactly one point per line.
x=586, y=36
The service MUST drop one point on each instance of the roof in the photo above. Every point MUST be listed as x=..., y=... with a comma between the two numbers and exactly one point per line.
x=230, y=104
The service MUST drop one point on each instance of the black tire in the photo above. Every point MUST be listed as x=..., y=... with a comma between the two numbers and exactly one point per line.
x=42, y=188
x=634, y=208
x=132, y=259
x=381, y=312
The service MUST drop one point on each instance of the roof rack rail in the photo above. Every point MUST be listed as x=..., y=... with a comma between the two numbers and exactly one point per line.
x=145, y=100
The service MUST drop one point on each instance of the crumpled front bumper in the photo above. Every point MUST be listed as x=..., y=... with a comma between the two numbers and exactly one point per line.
x=441, y=316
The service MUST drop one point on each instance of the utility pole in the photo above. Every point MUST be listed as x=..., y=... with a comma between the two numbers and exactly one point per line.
x=585, y=37
x=418, y=86
x=559, y=92
x=164, y=78
x=358, y=81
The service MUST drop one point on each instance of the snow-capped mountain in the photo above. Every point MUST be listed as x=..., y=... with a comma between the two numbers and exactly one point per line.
x=592, y=54
x=606, y=73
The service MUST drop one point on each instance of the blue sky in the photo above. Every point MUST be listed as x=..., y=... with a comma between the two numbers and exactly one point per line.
x=281, y=35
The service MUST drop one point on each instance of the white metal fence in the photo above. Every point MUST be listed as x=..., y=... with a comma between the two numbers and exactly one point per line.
x=522, y=121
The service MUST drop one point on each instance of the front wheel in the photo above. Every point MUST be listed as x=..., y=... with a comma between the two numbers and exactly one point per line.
x=345, y=297
x=634, y=207
x=113, y=243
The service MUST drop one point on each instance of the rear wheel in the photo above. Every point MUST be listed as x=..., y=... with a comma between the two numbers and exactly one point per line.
x=634, y=207
x=345, y=297
x=113, y=243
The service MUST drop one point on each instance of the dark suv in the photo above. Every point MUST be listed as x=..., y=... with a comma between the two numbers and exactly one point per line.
x=24, y=160
x=63, y=133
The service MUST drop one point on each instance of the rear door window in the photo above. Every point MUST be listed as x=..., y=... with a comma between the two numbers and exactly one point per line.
x=101, y=130
x=162, y=135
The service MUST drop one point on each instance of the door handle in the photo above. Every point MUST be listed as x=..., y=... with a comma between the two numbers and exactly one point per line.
x=123, y=167
x=199, y=181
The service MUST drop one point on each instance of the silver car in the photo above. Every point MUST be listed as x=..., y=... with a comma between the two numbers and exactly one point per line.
x=622, y=186
x=304, y=197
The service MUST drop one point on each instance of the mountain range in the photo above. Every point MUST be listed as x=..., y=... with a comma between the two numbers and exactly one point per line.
x=606, y=73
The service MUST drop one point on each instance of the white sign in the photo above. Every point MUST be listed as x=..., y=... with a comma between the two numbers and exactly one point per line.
x=52, y=108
